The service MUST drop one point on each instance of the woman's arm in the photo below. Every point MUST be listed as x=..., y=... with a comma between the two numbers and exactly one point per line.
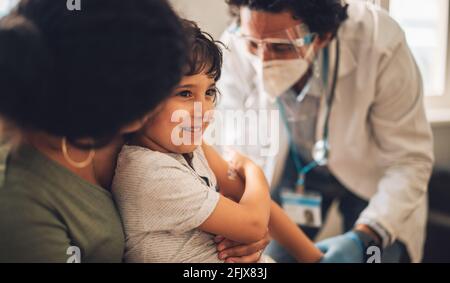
x=30, y=232
x=281, y=227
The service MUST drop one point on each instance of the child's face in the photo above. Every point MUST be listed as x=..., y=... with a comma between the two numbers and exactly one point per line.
x=176, y=119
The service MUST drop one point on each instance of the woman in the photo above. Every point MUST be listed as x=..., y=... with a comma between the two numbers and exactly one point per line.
x=73, y=84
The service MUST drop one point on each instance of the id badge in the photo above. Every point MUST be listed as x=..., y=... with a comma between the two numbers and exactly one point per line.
x=304, y=209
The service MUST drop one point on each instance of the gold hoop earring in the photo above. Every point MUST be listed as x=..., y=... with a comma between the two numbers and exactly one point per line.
x=76, y=164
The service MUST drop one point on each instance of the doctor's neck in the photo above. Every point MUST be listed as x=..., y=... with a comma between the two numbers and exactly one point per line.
x=298, y=86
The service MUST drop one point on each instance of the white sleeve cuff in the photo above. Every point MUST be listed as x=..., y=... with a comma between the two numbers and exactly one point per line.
x=386, y=239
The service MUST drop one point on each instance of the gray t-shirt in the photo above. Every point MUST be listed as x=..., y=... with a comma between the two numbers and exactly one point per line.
x=163, y=201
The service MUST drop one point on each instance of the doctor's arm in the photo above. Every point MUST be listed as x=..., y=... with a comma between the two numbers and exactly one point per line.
x=281, y=227
x=404, y=140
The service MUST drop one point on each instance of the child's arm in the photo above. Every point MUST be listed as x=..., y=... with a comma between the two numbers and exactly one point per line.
x=281, y=227
x=246, y=221
x=231, y=188
x=291, y=237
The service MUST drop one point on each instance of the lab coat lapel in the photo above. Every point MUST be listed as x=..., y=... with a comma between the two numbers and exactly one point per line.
x=347, y=64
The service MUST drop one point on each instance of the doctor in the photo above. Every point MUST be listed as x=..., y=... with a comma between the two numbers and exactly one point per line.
x=352, y=120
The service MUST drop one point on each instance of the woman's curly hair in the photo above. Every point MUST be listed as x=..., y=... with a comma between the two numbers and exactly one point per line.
x=88, y=74
x=321, y=16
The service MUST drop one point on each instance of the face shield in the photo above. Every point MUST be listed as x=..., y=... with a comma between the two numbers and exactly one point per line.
x=280, y=58
x=291, y=43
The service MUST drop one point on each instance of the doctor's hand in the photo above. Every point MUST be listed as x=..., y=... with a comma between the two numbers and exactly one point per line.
x=234, y=252
x=347, y=248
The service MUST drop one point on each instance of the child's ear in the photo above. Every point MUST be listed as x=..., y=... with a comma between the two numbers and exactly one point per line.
x=138, y=124
x=134, y=126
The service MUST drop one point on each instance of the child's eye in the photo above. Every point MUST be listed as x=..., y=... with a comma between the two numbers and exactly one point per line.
x=212, y=93
x=185, y=94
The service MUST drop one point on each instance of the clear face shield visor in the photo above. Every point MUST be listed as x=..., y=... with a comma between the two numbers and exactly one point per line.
x=291, y=43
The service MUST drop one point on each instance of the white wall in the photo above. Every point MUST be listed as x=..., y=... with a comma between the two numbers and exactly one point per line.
x=211, y=15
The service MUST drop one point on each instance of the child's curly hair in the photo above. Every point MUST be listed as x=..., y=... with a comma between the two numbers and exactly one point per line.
x=204, y=53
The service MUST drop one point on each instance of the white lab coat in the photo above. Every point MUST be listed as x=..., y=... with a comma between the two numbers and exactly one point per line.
x=381, y=145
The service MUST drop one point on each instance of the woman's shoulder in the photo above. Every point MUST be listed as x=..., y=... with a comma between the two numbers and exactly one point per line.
x=23, y=174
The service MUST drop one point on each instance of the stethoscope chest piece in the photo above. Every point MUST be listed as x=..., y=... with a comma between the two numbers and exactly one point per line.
x=320, y=152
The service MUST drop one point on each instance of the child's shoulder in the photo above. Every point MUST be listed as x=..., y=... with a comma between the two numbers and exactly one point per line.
x=138, y=166
x=138, y=156
x=136, y=160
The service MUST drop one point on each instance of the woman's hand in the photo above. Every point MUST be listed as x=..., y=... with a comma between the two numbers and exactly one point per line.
x=234, y=252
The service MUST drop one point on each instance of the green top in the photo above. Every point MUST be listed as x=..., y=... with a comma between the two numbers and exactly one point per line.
x=48, y=214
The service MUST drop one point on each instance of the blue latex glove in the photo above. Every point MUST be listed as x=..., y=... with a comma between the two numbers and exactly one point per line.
x=347, y=248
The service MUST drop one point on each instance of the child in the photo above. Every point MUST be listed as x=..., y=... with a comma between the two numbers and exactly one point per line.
x=168, y=194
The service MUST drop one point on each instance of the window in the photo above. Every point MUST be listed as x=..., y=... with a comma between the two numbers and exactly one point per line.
x=6, y=5
x=426, y=25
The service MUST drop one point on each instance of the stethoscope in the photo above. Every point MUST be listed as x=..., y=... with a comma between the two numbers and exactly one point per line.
x=321, y=148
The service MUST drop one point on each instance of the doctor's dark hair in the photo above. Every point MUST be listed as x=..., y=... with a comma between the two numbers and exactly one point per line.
x=88, y=73
x=321, y=16
x=203, y=53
